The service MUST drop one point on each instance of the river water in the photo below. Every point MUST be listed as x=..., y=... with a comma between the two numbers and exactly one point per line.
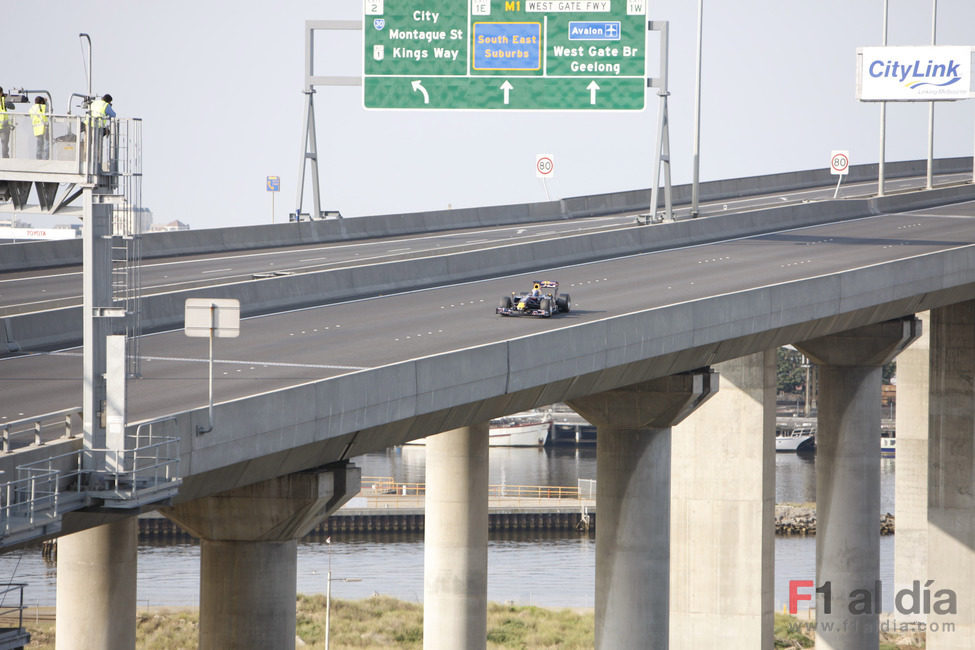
x=550, y=570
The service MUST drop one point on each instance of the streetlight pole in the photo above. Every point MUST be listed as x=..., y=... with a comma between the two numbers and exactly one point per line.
x=695, y=185
x=328, y=589
x=934, y=32
x=883, y=119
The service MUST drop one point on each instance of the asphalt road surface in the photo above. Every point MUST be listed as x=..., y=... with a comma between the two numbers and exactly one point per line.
x=291, y=348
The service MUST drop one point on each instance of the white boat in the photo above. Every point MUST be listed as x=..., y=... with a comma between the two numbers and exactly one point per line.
x=888, y=442
x=797, y=439
x=530, y=429
x=527, y=429
x=803, y=438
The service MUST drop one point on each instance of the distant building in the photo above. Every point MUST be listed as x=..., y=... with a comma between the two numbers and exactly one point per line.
x=127, y=221
x=168, y=227
x=13, y=222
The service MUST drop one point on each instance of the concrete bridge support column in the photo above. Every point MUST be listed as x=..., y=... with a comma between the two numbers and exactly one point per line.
x=248, y=553
x=911, y=477
x=848, y=479
x=723, y=513
x=633, y=470
x=951, y=480
x=455, y=537
x=96, y=587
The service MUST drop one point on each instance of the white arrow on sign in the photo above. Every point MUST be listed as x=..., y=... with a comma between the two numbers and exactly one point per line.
x=418, y=85
x=506, y=87
x=592, y=88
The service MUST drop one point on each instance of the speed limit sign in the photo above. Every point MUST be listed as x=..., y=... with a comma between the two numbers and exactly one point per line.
x=544, y=165
x=839, y=162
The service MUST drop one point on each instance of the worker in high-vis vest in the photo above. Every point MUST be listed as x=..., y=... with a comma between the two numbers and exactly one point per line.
x=39, y=120
x=6, y=124
x=101, y=109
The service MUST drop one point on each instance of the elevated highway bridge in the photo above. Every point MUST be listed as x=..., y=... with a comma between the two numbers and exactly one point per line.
x=410, y=347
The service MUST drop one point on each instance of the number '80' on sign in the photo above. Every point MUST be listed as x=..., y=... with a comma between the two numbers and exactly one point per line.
x=544, y=166
x=839, y=162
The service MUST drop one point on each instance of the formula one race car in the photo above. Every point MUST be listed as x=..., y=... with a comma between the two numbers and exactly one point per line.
x=543, y=300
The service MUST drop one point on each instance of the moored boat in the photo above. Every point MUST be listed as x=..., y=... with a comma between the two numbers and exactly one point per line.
x=800, y=438
x=529, y=429
x=526, y=429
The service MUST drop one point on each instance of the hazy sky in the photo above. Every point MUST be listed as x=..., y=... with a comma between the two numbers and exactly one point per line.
x=219, y=87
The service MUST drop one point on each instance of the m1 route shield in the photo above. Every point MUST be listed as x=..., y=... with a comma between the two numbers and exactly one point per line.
x=505, y=54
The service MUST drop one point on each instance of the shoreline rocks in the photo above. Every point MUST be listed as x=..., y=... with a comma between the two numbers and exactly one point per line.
x=799, y=519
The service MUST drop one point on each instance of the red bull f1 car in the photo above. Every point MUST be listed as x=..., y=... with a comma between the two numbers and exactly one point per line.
x=543, y=300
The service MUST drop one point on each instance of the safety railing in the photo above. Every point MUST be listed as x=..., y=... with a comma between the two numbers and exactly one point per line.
x=53, y=138
x=60, y=144
x=587, y=488
x=38, y=429
x=42, y=491
x=149, y=466
x=46, y=489
x=385, y=492
x=12, y=605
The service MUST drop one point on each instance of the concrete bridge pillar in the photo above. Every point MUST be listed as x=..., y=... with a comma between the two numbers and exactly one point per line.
x=96, y=587
x=455, y=537
x=848, y=479
x=633, y=470
x=911, y=477
x=248, y=553
x=723, y=513
x=951, y=480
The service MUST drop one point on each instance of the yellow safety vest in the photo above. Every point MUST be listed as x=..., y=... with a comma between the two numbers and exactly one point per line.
x=3, y=113
x=97, y=110
x=39, y=118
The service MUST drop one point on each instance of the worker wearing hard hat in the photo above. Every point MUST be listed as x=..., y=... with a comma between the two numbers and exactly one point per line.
x=6, y=124
x=39, y=120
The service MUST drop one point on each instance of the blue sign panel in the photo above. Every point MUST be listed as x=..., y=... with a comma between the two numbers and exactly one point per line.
x=507, y=46
x=273, y=183
x=594, y=31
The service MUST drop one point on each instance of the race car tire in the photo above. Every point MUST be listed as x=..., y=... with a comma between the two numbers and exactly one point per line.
x=546, y=306
x=505, y=302
x=563, y=302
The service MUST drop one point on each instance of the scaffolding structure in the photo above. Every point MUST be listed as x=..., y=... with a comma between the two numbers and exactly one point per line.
x=51, y=174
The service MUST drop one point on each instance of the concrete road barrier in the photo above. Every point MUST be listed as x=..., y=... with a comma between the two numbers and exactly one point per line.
x=190, y=242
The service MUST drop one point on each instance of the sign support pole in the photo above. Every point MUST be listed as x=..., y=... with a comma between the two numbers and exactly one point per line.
x=309, y=139
x=210, y=318
x=662, y=147
x=309, y=151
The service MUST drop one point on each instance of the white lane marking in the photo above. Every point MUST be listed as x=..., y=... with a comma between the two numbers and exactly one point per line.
x=265, y=364
x=398, y=250
x=215, y=271
x=313, y=259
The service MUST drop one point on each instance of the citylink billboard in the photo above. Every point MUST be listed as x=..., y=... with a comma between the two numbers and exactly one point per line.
x=924, y=73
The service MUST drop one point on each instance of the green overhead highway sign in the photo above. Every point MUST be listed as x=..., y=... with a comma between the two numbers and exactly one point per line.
x=505, y=54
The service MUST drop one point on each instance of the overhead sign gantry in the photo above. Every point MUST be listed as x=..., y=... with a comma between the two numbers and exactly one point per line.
x=505, y=54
